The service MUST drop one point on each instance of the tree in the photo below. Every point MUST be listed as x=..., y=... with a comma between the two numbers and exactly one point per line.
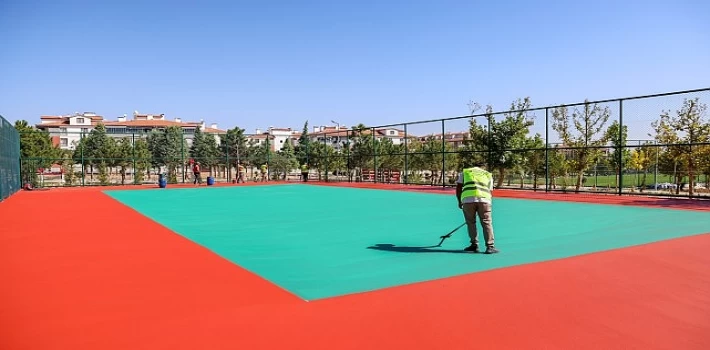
x=557, y=167
x=582, y=136
x=123, y=157
x=142, y=158
x=503, y=136
x=303, y=150
x=681, y=133
x=36, y=151
x=533, y=160
x=283, y=161
x=618, y=146
x=362, y=150
x=640, y=161
x=166, y=147
x=234, y=146
x=204, y=149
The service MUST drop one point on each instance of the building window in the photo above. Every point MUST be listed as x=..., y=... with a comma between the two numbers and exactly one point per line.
x=80, y=120
x=84, y=130
x=63, y=142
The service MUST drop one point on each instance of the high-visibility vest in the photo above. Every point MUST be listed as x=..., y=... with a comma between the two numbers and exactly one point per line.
x=304, y=168
x=476, y=182
x=263, y=168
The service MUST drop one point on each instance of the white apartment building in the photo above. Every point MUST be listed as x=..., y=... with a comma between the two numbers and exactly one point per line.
x=66, y=131
x=276, y=136
x=335, y=136
x=338, y=136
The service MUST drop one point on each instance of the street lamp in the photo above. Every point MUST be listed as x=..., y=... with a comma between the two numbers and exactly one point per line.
x=337, y=136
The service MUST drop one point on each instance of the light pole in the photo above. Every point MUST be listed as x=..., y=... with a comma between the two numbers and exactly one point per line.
x=337, y=129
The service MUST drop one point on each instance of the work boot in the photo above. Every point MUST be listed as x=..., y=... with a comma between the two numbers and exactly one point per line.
x=472, y=248
x=491, y=250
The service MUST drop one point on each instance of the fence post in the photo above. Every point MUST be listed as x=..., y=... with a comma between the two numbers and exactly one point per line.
x=83, y=169
x=406, y=156
x=268, y=158
x=324, y=158
x=547, y=155
x=374, y=154
x=182, y=155
x=135, y=179
x=490, y=133
x=227, y=166
x=443, y=154
x=347, y=150
x=619, y=157
x=19, y=145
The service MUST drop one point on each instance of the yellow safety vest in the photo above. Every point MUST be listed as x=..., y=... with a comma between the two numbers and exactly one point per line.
x=263, y=168
x=304, y=168
x=476, y=182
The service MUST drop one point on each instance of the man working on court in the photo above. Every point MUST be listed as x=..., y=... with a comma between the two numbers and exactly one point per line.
x=474, y=189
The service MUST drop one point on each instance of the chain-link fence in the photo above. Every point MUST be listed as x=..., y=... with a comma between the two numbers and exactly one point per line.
x=656, y=145
x=9, y=159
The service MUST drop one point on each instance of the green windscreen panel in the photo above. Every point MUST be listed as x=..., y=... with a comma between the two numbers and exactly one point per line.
x=9, y=159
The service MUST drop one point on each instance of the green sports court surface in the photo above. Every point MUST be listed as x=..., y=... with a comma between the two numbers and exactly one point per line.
x=319, y=242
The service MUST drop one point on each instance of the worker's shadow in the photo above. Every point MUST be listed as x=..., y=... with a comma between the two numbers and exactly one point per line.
x=429, y=249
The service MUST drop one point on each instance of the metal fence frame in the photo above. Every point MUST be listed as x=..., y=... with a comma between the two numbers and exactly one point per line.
x=349, y=159
x=9, y=159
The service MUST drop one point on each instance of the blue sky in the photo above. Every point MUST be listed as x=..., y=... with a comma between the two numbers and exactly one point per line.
x=254, y=64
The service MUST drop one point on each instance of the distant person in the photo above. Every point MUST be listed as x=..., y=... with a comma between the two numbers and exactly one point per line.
x=474, y=189
x=304, y=172
x=196, y=172
x=241, y=172
x=264, y=173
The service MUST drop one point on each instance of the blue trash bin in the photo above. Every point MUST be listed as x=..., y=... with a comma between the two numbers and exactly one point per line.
x=210, y=181
x=162, y=181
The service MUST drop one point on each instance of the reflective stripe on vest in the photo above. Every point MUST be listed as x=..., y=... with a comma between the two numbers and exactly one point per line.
x=476, y=183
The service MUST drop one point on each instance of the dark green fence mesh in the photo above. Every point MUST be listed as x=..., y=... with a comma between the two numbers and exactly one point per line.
x=9, y=159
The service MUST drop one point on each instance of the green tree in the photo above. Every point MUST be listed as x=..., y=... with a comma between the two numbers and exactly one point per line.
x=581, y=133
x=36, y=151
x=283, y=161
x=618, y=146
x=123, y=157
x=640, y=161
x=498, y=138
x=166, y=148
x=204, y=149
x=303, y=150
x=362, y=150
x=558, y=166
x=234, y=146
x=143, y=159
x=533, y=159
x=682, y=133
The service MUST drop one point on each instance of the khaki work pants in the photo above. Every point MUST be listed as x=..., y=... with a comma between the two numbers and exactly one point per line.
x=483, y=210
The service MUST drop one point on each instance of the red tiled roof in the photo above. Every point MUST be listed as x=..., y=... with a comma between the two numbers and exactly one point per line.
x=63, y=123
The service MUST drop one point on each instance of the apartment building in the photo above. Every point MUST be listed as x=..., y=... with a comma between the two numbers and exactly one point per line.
x=66, y=131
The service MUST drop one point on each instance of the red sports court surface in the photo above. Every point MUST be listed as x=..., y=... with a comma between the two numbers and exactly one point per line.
x=94, y=274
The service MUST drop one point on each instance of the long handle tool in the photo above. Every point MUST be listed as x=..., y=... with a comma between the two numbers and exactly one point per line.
x=449, y=234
